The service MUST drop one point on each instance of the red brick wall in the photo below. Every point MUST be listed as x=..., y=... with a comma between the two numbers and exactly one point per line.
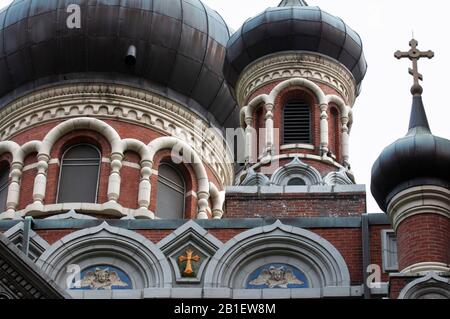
x=334, y=132
x=155, y=235
x=376, y=249
x=423, y=238
x=346, y=240
x=53, y=235
x=349, y=243
x=225, y=234
x=294, y=205
x=130, y=176
x=293, y=93
x=396, y=285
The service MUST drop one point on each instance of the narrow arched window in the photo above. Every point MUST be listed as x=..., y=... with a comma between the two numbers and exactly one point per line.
x=4, y=183
x=297, y=123
x=78, y=179
x=171, y=191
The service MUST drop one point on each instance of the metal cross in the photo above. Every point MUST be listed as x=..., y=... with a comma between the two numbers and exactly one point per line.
x=189, y=259
x=414, y=54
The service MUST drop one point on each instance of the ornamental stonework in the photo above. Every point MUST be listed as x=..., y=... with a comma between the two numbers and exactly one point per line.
x=286, y=65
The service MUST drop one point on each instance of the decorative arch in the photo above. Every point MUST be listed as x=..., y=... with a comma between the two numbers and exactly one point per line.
x=191, y=157
x=78, y=124
x=313, y=87
x=296, y=169
x=338, y=178
x=255, y=179
x=141, y=260
x=431, y=286
x=320, y=262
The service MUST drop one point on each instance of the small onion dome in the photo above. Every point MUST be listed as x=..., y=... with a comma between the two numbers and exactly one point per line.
x=294, y=26
x=173, y=47
x=417, y=159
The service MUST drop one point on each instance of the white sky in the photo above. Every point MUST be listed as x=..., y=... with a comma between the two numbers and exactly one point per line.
x=381, y=113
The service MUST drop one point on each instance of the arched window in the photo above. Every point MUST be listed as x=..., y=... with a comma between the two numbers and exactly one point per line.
x=171, y=191
x=78, y=179
x=4, y=183
x=297, y=123
x=296, y=181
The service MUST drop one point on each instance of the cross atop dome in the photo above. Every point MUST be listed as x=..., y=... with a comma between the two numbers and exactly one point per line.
x=292, y=3
x=414, y=54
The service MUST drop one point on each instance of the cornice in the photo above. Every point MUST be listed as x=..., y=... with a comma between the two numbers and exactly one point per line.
x=289, y=64
x=117, y=102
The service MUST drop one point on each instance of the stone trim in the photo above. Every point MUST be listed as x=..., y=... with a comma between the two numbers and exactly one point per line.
x=220, y=293
x=37, y=244
x=286, y=65
x=224, y=268
x=118, y=146
x=425, y=267
x=235, y=223
x=149, y=263
x=419, y=200
x=113, y=101
x=431, y=283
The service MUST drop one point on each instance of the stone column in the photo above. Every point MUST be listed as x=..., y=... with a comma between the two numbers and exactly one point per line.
x=114, y=177
x=202, y=198
x=145, y=190
x=249, y=140
x=324, y=141
x=345, y=141
x=269, y=129
x=40, y=182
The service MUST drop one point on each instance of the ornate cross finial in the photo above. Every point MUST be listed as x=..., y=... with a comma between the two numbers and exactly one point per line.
x=414, y=54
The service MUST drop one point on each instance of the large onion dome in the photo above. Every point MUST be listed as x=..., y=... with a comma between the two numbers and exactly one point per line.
x=180, y=49
x=418, y=159
x=294, y=25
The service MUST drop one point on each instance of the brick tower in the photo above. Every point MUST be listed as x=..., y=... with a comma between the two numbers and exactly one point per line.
x=410, y=181
x=296, y=72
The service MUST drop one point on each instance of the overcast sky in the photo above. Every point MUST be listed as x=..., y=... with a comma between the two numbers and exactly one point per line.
x=381, y=113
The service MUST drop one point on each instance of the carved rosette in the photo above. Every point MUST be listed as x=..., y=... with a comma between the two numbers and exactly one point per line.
x=286, y=65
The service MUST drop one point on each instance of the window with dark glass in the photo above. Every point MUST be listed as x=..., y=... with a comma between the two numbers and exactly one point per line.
x=297, y=123
x=171, y=191
x=78, y=179
x=296, y=181
x=4, y=183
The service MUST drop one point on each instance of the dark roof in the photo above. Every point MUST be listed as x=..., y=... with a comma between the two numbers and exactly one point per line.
x=22, y=279
x=417, y=159
x=180, y=49
x=294, y=26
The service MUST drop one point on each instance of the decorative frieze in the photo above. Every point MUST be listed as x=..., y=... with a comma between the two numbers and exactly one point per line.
x=287, y=65
x=107, y=101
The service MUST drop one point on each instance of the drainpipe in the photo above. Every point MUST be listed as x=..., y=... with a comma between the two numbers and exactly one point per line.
x=365, y=252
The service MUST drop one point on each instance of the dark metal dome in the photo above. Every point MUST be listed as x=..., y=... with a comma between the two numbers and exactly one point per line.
x=294, y=26
x=180, y=49
x=417, y=159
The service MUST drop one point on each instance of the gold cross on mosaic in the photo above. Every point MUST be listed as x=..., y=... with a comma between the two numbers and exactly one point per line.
x=189, y=259
x=414, y=54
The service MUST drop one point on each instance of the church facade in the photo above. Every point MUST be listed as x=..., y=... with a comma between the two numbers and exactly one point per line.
x=147, y=151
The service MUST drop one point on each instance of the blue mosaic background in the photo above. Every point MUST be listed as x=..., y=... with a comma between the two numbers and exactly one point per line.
x=297, y=274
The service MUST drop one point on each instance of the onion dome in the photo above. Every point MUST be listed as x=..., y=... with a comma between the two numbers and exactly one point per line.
x=418, y=159
x=172, y=47
x=294, y=26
